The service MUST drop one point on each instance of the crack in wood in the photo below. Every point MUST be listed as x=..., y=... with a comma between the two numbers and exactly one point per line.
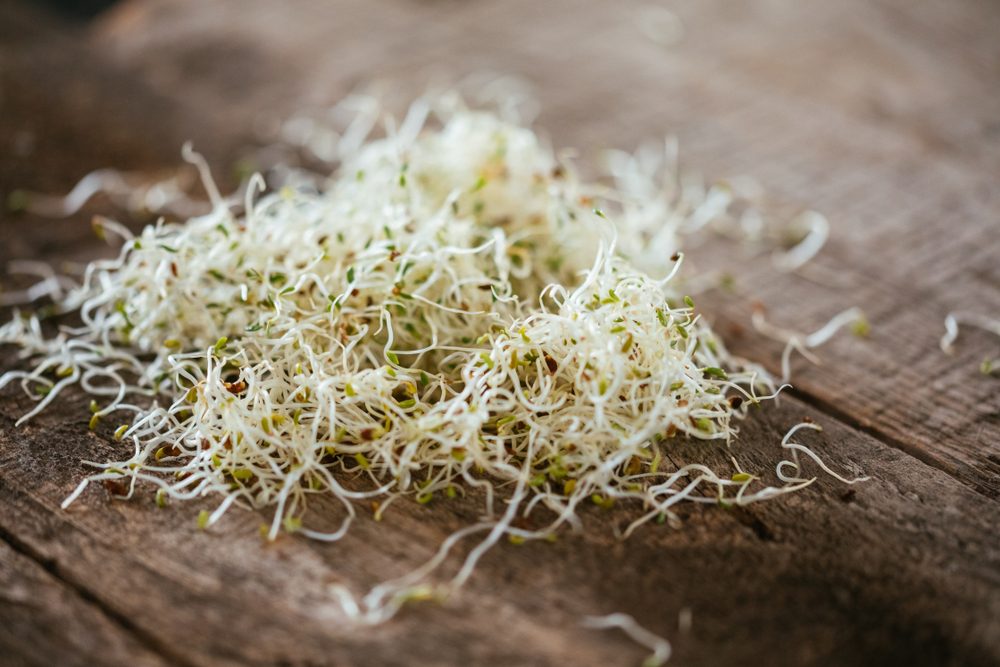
x=959, y=473
x=51, y=567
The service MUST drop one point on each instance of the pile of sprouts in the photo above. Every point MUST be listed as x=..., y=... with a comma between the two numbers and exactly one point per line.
x=452, y=309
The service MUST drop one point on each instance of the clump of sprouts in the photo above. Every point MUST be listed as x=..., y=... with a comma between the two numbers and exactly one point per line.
x=453, y=308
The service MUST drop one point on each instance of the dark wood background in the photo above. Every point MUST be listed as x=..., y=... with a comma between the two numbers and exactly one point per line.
x=884, y=115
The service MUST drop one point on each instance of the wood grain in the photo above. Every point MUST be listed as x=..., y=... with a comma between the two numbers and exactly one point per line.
x=904, y=570
x=876, y=113
x=43, y=621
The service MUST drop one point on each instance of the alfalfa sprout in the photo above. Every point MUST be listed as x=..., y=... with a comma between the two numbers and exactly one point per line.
x=454, y=308
x=976, y=320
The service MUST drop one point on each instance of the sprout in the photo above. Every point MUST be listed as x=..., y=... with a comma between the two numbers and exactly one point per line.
x=818, y=231
x=951, y=324
x=659, y=646
x=256, y=348
x=803, y=343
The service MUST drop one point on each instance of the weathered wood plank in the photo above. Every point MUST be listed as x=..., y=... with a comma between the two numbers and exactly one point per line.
x=905, y=570
x=45, y=622
x=878, y=114
x=65, y=110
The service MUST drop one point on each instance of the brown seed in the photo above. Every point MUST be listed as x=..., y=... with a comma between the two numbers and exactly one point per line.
x=118, y=487
x=735, y=402
x=551, y=364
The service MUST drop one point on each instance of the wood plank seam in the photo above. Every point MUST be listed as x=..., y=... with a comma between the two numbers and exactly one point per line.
x=844, y=418
x=92, y=599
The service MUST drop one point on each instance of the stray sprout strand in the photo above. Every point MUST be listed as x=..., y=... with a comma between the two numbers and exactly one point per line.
x=803, y=343
x=951, y=325
x=453, y=308
x=659, y=646
x=809, y=246
x=125, y=190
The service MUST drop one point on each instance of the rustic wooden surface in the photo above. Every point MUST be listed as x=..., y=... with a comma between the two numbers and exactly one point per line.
x=883, y=115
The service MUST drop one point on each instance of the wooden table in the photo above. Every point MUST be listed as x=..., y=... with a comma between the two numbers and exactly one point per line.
x=884, y=115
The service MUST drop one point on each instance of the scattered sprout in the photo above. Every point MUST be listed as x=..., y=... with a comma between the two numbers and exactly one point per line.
x=659, y=646
x=817, y=230
x=803, y=343
x=951, y=324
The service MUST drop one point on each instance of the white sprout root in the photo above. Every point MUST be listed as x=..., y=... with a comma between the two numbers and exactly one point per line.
x=659, y=646
x=128, y=191
x=448, y=311
x=989, y=324
x=804, y=343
